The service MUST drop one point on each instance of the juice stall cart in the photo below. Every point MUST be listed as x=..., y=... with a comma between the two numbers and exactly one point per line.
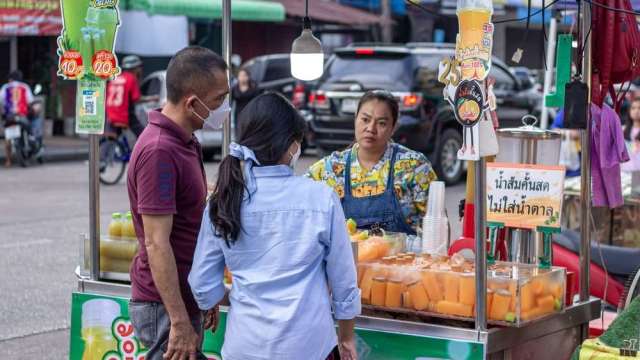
x=434, y=312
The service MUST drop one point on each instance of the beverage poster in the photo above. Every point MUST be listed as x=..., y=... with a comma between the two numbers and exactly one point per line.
x=85, y=47
x=101, y=330
x=475, y=38
x=525, y=196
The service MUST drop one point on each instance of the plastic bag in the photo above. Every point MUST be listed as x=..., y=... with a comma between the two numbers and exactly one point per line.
x=569, y=155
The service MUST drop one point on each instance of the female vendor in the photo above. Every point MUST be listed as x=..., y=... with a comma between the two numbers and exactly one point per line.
x=388, y=183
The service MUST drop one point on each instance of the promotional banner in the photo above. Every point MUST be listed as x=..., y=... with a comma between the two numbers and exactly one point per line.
x=90, y=114
x=30, y=18
x=525, y=196
x=463, y=76
x=86, y=44
x=101, y=330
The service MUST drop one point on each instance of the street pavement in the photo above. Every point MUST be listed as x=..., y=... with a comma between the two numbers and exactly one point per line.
x=44, y=212
x=59, y=148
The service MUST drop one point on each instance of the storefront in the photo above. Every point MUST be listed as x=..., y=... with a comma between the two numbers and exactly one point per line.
x=25, y=26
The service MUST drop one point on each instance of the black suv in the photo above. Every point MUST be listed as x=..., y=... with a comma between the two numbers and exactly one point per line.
x=273, y=73
x=410, y=72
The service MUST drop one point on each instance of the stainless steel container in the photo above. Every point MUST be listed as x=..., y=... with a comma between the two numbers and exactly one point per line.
x=527, y=144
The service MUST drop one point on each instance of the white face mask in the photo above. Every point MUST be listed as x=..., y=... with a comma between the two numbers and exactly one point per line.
x=295, y=157
x=216, y=117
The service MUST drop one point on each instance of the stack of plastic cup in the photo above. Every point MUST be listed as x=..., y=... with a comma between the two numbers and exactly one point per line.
x=435, y=225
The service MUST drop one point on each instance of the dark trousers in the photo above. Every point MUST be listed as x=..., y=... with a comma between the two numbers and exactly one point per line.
x=151, y=325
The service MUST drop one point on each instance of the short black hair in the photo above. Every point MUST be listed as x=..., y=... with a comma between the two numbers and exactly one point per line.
x=192, y=70
x=382, y=96
x=15, y=75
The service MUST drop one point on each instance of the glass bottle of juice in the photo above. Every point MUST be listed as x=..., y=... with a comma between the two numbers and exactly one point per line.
x=97, y=318
x=115, y=226
x=128, y=230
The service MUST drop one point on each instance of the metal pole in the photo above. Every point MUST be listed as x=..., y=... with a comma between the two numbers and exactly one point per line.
x=548, y=74
x=13, y=53
x=226, y=54
x=94, y=205
x=585, y=185
x=481, y=247
x=387, y=26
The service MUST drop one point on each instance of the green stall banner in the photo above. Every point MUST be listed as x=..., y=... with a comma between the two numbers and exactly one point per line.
x=85, y=46
x=101, y=330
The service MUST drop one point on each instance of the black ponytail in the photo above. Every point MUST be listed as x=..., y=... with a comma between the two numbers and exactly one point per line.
x=225, y=204
x=269, y=124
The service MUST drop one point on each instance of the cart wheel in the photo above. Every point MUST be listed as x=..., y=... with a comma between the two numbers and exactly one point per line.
x=631, y=290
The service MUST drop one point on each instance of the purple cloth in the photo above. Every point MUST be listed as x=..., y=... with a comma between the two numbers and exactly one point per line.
x=608, y=151
x=166, y=177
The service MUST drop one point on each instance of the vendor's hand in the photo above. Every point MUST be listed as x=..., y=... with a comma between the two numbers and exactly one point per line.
x=183, y=342
x=347, y=349
x=211, y=318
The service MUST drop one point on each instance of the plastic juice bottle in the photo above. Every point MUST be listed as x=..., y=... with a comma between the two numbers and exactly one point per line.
x=115, y=227
x=97, y=318
x=128, y=230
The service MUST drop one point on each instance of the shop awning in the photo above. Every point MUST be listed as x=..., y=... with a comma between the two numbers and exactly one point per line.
x=241, y=10
x=330, y=12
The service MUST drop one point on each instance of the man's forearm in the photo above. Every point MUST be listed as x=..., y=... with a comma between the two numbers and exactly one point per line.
x=345, y=329
x=165, y=277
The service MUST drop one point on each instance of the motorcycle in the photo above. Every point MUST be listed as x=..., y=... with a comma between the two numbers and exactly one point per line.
x=614, y=271
x=19, y=131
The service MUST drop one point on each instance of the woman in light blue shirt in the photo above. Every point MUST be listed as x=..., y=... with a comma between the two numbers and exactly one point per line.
x=284, y=239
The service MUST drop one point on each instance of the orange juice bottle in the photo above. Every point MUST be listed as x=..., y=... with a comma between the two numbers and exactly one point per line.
x=115, y=226
x=128, y=230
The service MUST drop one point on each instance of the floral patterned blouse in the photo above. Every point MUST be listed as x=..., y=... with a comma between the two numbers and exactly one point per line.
x=413, y=174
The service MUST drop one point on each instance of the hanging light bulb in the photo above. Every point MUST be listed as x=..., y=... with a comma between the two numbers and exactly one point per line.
x=307, y=59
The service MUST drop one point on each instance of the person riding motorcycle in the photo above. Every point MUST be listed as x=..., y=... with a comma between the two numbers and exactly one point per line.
x=16, y=99
x=123, y=93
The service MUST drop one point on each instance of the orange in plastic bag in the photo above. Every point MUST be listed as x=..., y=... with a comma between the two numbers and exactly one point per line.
x=378, y=291
x=546, y=303
x=393, y=297
x=527, y=300
x=500, y=305
x=431, y=285
x=452, y=308
x=418, y=296
x=451, y=287
x=468, y=289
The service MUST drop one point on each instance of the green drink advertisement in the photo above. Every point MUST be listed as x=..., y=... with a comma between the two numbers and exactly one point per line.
x=101, y=330
x=86, y=44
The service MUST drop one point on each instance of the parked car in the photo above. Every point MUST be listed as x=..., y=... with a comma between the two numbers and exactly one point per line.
x=273, y=73
x=154, y=95
x=410, y=72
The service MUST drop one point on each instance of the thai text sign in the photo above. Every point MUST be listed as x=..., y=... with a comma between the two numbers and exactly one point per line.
x=525, y=196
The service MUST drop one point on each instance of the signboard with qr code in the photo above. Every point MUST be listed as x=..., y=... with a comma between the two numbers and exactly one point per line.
x=90, y=111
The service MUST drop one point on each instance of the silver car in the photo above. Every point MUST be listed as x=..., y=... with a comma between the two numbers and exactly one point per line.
x=154, y=95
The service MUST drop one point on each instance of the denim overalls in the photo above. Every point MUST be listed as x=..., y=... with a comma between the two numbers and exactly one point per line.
x=383, y=210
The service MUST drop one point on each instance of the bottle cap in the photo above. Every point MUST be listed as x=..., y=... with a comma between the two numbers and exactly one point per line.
x=116, y=216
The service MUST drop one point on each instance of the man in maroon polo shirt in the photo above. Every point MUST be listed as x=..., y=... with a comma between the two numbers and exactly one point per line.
x=167, y=192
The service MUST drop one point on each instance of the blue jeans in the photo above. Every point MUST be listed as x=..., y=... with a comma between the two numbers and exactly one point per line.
x=151, y=325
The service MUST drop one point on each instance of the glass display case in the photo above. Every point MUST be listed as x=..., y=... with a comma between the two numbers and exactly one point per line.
x=445, y=287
